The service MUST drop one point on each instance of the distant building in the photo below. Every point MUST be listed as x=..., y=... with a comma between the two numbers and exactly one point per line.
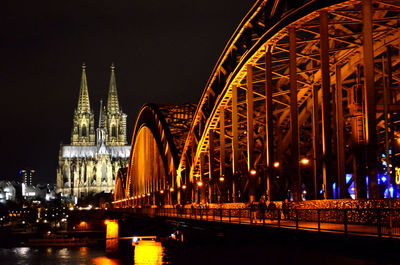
x=7, y=192
x=27, y=176
x=90, y=163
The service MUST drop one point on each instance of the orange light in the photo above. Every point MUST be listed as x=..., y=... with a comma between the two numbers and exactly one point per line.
x=276, y=164
x=112, y=236
x=148, y=194
x=171, y=189
x=221, y=179
x=106, y=222
x=200, y=183
x=305, y=161
x=161, y=191
x=148, y=252
x=253, y=172
x=184, y=187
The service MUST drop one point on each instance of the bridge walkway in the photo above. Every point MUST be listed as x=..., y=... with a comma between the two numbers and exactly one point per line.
x=375, y=222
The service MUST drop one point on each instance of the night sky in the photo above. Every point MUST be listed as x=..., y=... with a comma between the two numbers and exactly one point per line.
x=164, y=52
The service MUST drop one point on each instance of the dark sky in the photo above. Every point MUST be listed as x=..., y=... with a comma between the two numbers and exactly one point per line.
x=164, y=52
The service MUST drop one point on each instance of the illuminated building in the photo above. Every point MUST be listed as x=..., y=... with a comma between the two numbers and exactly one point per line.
x=90, y=163
x=27, y=176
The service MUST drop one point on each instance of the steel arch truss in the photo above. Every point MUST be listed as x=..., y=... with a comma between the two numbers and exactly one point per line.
x=323, y=66
x=157, y=141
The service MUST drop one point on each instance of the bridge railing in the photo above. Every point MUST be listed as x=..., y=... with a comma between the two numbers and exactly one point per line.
x=371, y=222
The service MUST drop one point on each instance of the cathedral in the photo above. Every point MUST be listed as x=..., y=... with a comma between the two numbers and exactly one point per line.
x=90, y=163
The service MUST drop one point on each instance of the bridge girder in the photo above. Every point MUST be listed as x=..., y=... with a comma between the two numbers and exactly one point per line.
x=292, y=61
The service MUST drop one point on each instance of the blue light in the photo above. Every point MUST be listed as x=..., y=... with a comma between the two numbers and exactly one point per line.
x=348, y=178
x=135, y=239
x=383, y=179
x=391, y=191
x=334, y=190
x=321, y=191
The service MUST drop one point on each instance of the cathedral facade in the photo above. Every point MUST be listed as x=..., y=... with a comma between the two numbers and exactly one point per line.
x=90, y=163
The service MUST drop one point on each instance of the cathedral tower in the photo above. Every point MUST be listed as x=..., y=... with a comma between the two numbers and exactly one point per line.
x=83, y=125
x=116, y=119
x=90, y=164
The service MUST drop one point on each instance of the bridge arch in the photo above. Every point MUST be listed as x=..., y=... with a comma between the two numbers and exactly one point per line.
x=155, y=149
x=301, y=92
x=283, y=66
x=120, y=182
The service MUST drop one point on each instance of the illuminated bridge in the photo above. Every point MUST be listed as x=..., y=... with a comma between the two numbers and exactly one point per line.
x=302, y=103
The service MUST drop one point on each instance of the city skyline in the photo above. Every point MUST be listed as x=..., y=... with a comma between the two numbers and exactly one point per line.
x=156, y=47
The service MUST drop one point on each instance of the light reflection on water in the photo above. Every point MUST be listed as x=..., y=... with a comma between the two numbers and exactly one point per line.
x=57, y=256
x=104, y=261
x=153, y=252
x=149, y=252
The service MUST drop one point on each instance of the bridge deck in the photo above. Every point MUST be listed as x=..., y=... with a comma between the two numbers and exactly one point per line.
x=253, y=218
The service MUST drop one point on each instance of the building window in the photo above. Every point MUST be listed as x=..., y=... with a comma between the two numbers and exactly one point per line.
x=84, y=133
x=114, y=131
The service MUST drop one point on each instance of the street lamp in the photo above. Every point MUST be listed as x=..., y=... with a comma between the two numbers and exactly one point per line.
x=305, y=161
x=161, y=191
x=184, y=187
x=199, y=183
x=253, y=172
x=171, y=189
x=221, y=178
x=276, y=164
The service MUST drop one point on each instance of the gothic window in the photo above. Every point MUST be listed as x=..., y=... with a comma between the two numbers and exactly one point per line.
x=84, y=133
x=114, y=131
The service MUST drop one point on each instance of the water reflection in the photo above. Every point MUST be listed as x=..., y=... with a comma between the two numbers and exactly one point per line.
x=22, y=252
x=104, y=261
x=148, y=252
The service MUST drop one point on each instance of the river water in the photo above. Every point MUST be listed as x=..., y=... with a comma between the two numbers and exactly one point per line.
x=153, y=252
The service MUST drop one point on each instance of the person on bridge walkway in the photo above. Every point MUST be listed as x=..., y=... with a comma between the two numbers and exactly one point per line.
x=262, y=206
x=253, y=212
x=272, y=210
x=285, y=209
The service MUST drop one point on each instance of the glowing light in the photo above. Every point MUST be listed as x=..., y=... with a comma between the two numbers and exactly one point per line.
x=276, y=164
x=112, y=236
x=253, y=172
x=106, y=222
x=104, y=261
x=148, y=194
x=200, y=183
x=397, y=169
x=184, y=187
x=305, y=161
x=161, y=191
x=83, y=225
x=383, y=179
x=148, y=252
x=172, y=189
x=221, y=179
x=135, y=239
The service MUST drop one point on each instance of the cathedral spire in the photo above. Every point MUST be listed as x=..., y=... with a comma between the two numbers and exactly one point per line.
x=83, y=101
x=112, y=101
x=102, y=120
